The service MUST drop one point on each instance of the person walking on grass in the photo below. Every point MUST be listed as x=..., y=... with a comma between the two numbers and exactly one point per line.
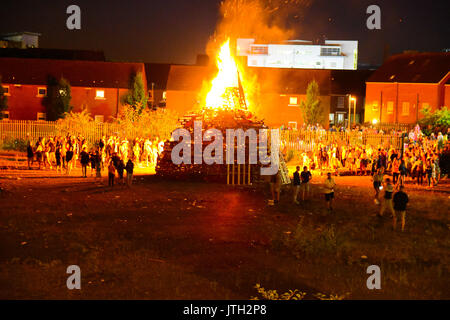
x=69, y=157
x=129, y=168
x=400, y=201
x=329, y=186
x=306, y=177
x=377, y=179
x=387, y=201
x=111, y=174
x=297, y=184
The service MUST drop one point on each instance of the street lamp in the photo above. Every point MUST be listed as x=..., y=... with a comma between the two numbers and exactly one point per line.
x=353, y=99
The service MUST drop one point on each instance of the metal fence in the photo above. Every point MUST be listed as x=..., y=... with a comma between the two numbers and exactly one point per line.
x=305, y=140
x=32, y=130
x=298, y=140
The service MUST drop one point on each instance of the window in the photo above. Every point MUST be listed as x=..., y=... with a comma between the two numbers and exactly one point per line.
x=375, y=105
x=100, y=94
x=292, y=125
x=99, y=118
x=331, y=118
x=340, y=102
x=405, y=109
x=340, y=117
x=390, y=107
x=42, y=92
x=330, y=51
x=293, y=101
x=5, y=115
x=6, y=90
x=264, y=50
x=41, y=116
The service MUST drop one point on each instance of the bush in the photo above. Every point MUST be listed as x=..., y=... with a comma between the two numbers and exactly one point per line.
x=12, y=144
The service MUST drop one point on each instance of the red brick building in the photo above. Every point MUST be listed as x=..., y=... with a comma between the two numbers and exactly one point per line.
x=95, y=86
x=405, y=84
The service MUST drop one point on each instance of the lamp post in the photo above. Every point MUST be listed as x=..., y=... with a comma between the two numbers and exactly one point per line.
x=353, y=99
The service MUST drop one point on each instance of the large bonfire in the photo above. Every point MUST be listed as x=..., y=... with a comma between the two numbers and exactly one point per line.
x=225, y=107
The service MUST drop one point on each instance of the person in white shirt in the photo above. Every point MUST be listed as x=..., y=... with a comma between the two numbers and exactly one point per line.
x=329, y=186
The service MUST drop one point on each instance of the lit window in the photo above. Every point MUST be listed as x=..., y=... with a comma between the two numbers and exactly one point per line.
x=340, y=117
x=331, y=117
x=292, y=125
x=405, y=109
x=5, y=115
x=6, y=91
x=41, y=116
x=164, y=95
x=100, y=94
x=390, y=107
x=293, y=101
x=99, y=118
x=42, y=92
x=375, y=105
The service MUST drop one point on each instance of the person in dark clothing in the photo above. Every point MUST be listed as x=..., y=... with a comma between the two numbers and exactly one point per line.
x=400, y=201
x=58, y=158
x=129, y=168
x=120, y=167
x=30, y=155
x=297, y=183
x=306, y=176
x=92, y=160
x=111, y=174
x=84, y=159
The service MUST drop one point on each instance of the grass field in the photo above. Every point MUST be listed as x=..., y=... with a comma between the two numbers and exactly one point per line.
x=181, y=240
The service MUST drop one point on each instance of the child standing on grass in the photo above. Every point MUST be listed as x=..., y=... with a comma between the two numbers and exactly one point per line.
x=400, y=201
x=111, y=174
x=120, y=168
x=58, y=159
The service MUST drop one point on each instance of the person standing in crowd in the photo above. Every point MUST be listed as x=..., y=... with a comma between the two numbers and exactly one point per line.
x=58, y=158
x=30, y=155
x=306, y=177
x=39, y=150
x=329, y=186
x=111, y=174
x=296, y=182
x=395, y=170
x=429, y=173
x=69, y=157
x=129, y=168
x=403, y=171
x=98, y=165
x=387, y=201
x=120, y=167
x=84, y=159
x=400, y=201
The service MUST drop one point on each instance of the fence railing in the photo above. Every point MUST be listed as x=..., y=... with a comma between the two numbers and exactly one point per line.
x=299, y=140
x=305, y=140
x=32, y=130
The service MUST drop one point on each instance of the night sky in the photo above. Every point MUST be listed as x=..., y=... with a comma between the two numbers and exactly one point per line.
x=175, y=31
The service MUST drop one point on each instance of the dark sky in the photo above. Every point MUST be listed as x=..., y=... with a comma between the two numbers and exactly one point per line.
x=176, y=30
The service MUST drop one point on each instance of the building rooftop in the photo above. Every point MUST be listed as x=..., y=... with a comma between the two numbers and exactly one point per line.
x=78, y=73
x=413, y=68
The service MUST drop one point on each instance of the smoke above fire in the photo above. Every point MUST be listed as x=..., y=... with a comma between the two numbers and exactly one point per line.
x=266, y=21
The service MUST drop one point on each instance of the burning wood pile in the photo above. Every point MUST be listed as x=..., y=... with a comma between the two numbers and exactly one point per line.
x=225, y=108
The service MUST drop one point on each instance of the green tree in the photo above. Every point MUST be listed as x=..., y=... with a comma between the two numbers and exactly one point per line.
x=3, y=99
x=436, y=121
x=312, y=108
x=136, y=96
x=57, y=100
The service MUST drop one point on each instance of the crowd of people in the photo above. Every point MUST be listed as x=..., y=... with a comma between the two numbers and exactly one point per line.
x=419, y=158
x=64, y=153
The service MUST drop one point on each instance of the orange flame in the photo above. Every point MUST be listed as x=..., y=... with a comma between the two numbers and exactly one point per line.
x=224, y=92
